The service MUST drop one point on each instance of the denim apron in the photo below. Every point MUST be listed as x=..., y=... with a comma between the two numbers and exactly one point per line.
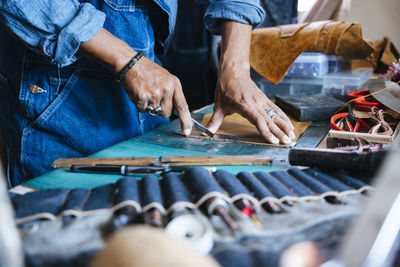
x=77, y=110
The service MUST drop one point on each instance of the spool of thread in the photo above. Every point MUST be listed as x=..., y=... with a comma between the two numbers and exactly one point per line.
x=193, y=228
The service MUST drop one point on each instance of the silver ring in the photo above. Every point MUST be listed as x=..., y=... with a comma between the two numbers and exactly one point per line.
x=154, y=112
x=270, y=111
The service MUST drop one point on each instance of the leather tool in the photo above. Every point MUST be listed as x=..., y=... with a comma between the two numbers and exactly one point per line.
x=201, y=128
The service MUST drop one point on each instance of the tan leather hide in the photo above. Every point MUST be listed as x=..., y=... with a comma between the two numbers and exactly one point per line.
x=274, y=49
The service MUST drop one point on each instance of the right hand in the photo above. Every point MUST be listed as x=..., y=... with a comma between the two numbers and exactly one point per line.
x=148, y=84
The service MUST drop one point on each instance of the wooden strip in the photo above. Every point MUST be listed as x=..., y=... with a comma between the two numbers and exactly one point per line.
x=67, y=162
x=169, y=160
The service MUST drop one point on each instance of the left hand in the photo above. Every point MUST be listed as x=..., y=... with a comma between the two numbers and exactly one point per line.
x=236, y=92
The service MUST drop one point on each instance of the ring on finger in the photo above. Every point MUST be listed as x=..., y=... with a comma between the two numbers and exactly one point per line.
x=154, y=112
x=270, y=111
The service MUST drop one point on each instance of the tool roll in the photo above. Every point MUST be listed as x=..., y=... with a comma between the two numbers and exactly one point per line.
x=191, y=190
x=236, y=218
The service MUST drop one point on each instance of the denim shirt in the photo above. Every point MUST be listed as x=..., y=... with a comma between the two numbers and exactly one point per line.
x=54, y=104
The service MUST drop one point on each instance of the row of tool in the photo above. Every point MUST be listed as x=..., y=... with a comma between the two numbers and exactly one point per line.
x=197, y=188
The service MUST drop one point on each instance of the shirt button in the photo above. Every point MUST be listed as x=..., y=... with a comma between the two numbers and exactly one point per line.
x=34, y=89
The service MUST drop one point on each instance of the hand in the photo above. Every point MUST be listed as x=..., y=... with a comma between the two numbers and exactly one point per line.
x=148, y=84
x=236, y=92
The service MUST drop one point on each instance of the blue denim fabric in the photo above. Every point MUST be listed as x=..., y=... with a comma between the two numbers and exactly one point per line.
x=100, y=198
x=309, y=181
x=173, y=190
x=150, y=191
x=75, y=199
x=46, y=201
x=257, y=189
x=336, y=185
x=127, y=189
x=247, y=12
x=79, y=110
x=276, y=188
x=199, y=182
x=243, y=258
x=292, y=184
x=348, y=180
x=230, y=183
x=279, y=12
x=54, y=28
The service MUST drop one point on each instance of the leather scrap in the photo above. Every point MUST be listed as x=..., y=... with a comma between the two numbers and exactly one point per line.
x=274, y=49
x=237, y=125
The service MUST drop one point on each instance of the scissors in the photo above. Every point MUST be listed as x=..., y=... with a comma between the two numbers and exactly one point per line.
x=361, y=102
x=349, y=118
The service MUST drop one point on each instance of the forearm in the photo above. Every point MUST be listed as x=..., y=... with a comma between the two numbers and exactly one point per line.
x=107, y=50
x=235, y=47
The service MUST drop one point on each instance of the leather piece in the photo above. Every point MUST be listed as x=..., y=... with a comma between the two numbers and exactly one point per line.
x=237, y=125
x=384, y=55
x=274, y=49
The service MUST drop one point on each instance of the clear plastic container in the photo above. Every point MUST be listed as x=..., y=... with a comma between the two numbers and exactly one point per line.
x=338, y=63
x=339, y=84
x=289, y=85
x=310, y=65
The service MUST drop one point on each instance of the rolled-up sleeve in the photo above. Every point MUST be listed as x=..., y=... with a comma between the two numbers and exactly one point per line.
x=54, y=28
x=244, y=11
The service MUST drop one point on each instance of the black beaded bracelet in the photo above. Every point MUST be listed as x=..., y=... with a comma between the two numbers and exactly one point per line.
x=129, y=66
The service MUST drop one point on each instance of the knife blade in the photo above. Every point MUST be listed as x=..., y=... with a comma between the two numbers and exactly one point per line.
x=201, y=128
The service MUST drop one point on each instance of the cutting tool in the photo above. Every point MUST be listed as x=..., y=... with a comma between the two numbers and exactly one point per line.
x=201, y=128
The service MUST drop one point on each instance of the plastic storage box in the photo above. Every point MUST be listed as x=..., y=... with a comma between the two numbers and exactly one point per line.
x=310, y=65
x=339, y=84
x=334, y=84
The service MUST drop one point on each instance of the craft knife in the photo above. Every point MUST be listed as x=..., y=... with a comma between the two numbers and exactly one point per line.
x=201, y=128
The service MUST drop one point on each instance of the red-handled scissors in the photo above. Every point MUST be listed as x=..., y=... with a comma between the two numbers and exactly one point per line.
x=361, y=102
x=349, y=118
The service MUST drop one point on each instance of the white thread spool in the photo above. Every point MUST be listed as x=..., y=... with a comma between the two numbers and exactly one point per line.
x=193, y=228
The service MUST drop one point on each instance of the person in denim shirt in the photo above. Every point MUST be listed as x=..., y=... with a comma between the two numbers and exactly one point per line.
x=58, y=60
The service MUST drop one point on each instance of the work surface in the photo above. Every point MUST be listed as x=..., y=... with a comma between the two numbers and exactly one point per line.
x=164, y=141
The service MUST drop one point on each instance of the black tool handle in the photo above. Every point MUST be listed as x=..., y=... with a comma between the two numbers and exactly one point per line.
x=366, y=163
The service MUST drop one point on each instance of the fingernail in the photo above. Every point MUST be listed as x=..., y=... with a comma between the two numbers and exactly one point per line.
x=286, y=140
x=292, y=135
x=274, y=140
x=187, y=132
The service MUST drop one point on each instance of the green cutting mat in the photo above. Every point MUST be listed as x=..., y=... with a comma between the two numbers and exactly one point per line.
x=163, y=141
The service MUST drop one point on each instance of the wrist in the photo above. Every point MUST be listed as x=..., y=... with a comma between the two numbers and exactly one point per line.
x=235, y=65
x=121, y=59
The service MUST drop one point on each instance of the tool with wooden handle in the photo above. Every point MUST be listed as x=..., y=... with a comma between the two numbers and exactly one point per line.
x=167, y=160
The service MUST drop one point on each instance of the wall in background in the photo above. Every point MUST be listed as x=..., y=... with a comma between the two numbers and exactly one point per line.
x=378, y=18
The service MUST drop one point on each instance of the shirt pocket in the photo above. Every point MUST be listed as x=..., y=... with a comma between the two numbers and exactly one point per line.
x=126, y=5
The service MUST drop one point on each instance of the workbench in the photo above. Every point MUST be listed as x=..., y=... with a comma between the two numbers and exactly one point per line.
x=317, y=220
x=165, y=141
